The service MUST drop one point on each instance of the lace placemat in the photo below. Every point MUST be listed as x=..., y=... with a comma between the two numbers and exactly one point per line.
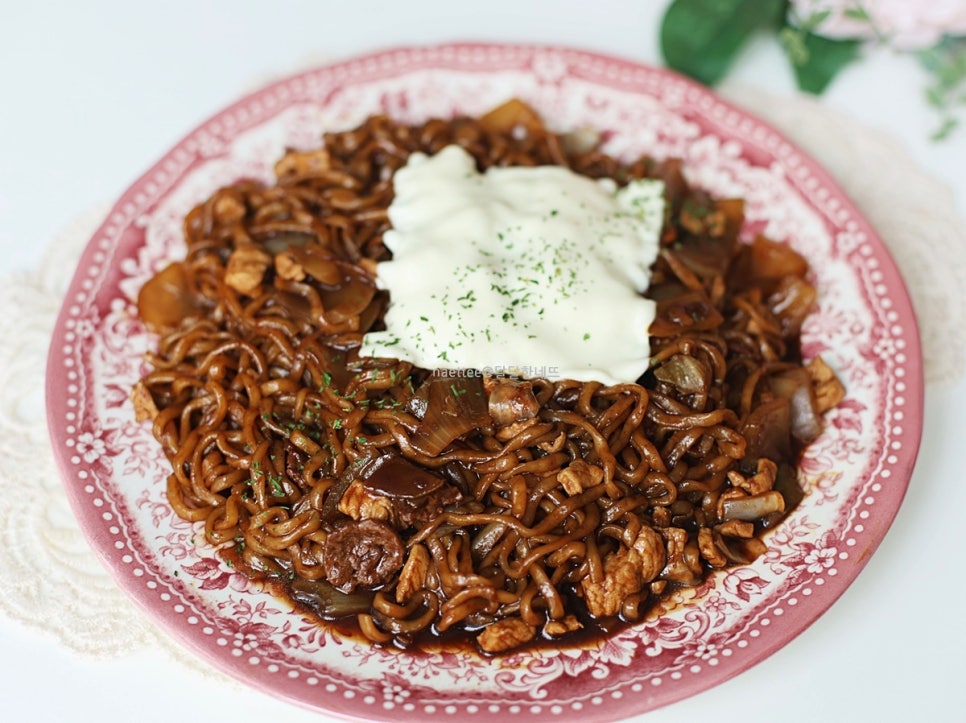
x=51, y=580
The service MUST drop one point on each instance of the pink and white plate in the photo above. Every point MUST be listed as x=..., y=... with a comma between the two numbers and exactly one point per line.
x=856, y=473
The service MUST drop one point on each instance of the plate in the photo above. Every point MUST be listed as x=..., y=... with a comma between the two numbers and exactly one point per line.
x=856, y=473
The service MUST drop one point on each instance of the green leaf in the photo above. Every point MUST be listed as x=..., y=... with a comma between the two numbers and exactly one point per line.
x=823, y=59
x=949, y=124
x=936, y=98
x=857, y=13
x=814, y=20
x=946, y=61
x=702, y=38
x=793, y=41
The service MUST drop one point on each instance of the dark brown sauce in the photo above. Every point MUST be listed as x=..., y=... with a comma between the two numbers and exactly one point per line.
x=391, y=475
x=458, y=639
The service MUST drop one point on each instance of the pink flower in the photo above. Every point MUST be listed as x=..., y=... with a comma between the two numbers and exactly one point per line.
x=720, y=606
x=292, y=641
x=903, y=24
x=820, y=559
x=90, y=447
x=210, y=573
x=744, y=583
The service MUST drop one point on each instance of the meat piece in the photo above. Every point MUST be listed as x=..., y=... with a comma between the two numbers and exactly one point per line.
x=511, y=431
x=622, y=578
x=762, y=481
x=365, y=553
x=228, y=206
x=419, y=510
x=288, y=268
x=829, y=391
x=246, y=268
x=510, y=400
x=578, y=476
x=709, y=548
x=650, y=546
x=297, y=165
x=360, y=504
x=626, y=572
x=556, y=445
x=414, y=574
x=556, y=628
x=683, y=557
x=505, y=634
x=145, y=410
x=736, y=528
x=661, y=517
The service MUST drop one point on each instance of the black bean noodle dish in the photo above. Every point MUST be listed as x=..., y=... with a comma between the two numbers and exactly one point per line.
x=420, y=509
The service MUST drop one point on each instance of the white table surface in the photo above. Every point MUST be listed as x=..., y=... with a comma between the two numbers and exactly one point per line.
x=94, y=92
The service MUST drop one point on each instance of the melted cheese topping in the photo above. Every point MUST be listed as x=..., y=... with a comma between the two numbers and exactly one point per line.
x=532, y=271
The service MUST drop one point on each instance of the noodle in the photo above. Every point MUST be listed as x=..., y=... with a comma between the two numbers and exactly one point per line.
x=556, y=506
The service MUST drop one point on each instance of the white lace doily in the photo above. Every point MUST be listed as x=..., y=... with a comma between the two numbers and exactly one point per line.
x=51, y=580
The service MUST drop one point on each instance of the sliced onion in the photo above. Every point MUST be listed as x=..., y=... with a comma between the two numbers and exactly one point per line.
x=671, y=171
x=795, y=385
x=791, y=302
x=327, y=601
x=454, y=406
x=487, y=539
x=165, y=300
x=318, y=263
x=740, y=552
x=770, y=260
x=580, y=140
x=504, y=118
x=786, y=484
x=768, y=430
x=691, y=311
x=354, y=293
x=752, y=508
x=685, y=373
x=287, y=241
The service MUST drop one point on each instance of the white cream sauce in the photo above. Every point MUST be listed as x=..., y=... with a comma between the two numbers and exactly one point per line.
x=534, y=271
